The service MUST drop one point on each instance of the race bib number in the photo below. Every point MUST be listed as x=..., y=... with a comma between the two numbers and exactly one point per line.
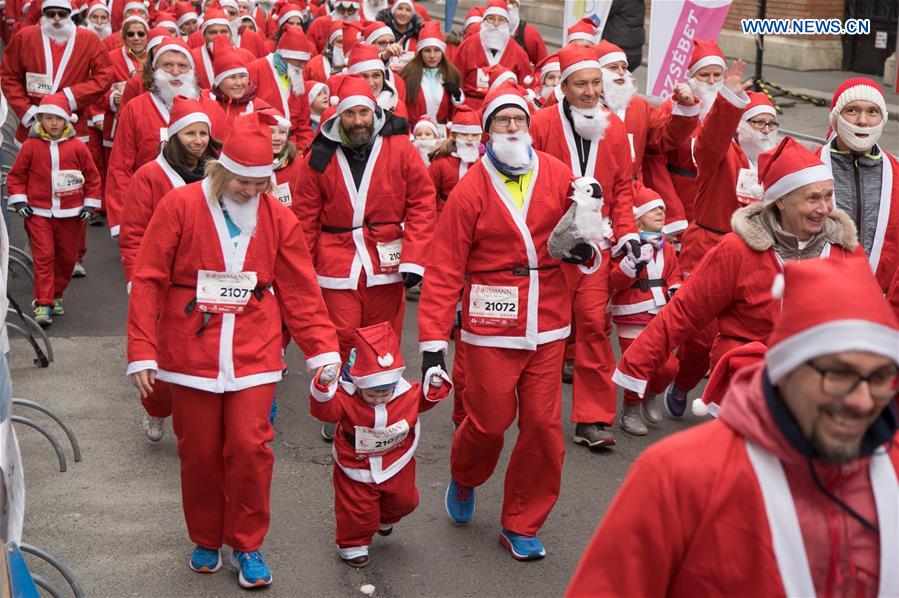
x=493, y=306
x=630, y=140
x=282, y=193
x=483, y=80
x=38, y=84
x=224, y=292
x=389, y=255
x=375, y=441
x=748, y=188
x=67, y=182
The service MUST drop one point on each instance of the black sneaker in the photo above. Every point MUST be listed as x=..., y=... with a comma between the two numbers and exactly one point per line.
x=676, y=401
x=328, y=432
x=593, y=435
x=568, y=371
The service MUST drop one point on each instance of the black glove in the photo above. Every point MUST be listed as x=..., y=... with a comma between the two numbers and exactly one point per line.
x=86, y=213
x=632, y=247
x=580, y=254
x=453, y=89
x=410, y=279
x=430, y=359
x=25, y=211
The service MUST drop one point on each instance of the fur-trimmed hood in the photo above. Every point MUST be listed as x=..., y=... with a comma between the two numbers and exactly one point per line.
x=750, y=224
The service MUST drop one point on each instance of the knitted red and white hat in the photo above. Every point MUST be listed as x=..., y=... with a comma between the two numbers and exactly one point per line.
x=184, y=113
x=214, y=16
x=465, y=120
x=584, y=30
x=226, y=60
x=379, y=361
x=294, y=44
x=646, y=200
x=430, y=36
x=705, y=53
x=173, y=44
x=184, y=12
x=375, y=29
x=247, y=150
x=57, y=104
x=788, y=167
x=365, y=57
x=574, y=58
x=855, y=89
x=759, y=103
x=829, y=306
x=502, y=96
x=496, y=7
x=607, y=53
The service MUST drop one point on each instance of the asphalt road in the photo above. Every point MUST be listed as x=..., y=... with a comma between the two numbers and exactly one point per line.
x=115, y=518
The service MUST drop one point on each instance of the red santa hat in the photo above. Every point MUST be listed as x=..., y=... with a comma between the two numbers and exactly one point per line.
x=167, y=20
x=63, y=4
x=96, y=5
x=430, y=36
x=375, y=29
x=56, y=104
x=498, y=74
x=719, y=381
x=315, y=89
x=184, y=12
x=352, y=35
x=287, y=12
x=788, y=167
x=247, y=150
x=497, y=7
x=574, y=58
x=379, y=361
x=474, y=15
x=214, y=16
x=134, y=19
x=465, y=120
x=856, y=89
x=500, y=98
x=277, y=117
x=157, y=35
x=705, y=53
x=172, y=44
x=829, y=306
x=231, y=3
x=294, y=44
x=135, y=5
x=427, y=123
x=759, y=103
x=549, y=64
x=364, y=58
x=584, y=30
x=398, y=3
x=350, y=90
x=646, y=200
x=184, y=113
x=226, y=60
x=336, y=32
x=607, y=53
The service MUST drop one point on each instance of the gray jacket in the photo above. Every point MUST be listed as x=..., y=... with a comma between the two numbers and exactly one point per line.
x=856, y=189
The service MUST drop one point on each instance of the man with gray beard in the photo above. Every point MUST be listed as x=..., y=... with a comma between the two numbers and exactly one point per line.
x=80, y=67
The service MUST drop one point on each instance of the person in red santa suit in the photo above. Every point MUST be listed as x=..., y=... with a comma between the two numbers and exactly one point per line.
x=222, y=359
x=738, y=128
x=640, y=289
x=182, y=161
x=489, y=47
x=365, y=60
x=794, y=484
x=320, y=28
x=545, y=79
x=331, y=60
x=53, y=184
x=279, y=78
x=135, y=85
x=241, y=35
x=525, y=35
x=405, y=27
x=593, y=142
x=232, y=87
x=731, y=285
x=319, y=97
x=492, y=242
x=143, y=122
x=866, y=177
x=285, y=158
x=432, y=82
x=215, y=23
x=376, y=412
x=79, y=68
x=186, y=18
x=166, y=20
x=367, y=206
x=98, y=19
x=119, y=9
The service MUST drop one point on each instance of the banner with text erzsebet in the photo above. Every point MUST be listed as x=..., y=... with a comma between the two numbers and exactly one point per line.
x=673, y=26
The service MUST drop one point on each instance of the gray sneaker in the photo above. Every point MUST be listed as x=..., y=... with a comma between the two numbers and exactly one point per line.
x=154, y=427
x=631, y=422
x=652, y=413
x=328, y=432
x=593, y=435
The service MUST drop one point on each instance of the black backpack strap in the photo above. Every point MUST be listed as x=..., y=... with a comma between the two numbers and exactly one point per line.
x=519, y=34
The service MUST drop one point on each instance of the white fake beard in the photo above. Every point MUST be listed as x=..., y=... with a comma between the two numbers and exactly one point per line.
x=425, y=147
x=467, y=151
x=705, y=93
x=102, y=31
x=617, y=97
x=512, y=149
x=338, y=58
x=545, y=92
x=848, y=134
x=60, y=34
x=295, y=75
x=371, y=9
x=494, y=37
x=590, y=123
x=166, y=92
x=514, y=17
x=754, y=142
x=242, y=214
x=387, y=99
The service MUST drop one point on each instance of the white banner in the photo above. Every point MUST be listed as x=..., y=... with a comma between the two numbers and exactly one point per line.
x=575, y=10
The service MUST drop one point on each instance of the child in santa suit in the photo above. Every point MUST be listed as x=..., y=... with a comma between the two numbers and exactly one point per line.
x=55, y=186
x=641, y=286
x=376, y=412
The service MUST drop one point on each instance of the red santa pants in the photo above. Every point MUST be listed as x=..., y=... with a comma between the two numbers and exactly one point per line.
x=55, y=243
x=159, y=402
x=458, y=379
x=594, y=394
x=365, y=306
x=530, y=388
x=226, y=464
x=660, y=380
x=360, y=508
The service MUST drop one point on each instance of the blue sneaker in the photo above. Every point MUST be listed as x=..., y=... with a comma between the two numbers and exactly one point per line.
x=253, y=570
x=522, y=548
x=273, y=411
x=675, y=401
x=205, y=560
x=460, y=502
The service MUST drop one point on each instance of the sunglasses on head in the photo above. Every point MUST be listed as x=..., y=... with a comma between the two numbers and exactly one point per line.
x=52, y=14
x=138, y=33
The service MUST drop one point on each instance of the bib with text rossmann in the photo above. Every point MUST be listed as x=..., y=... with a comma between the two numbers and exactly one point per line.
x=38, y=84
x=224, y=292
x=389, y=255
x=375, y=441
x=67, y=182
x=748, y=187
x=493, y=306
x=282, y=194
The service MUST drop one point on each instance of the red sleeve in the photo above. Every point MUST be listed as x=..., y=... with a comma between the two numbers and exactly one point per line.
x=669, y=130
x=135, y=220
x=534, y=42
x=133, y=88
x=330, y=410
x=12, y=77
x=421, y=211
x=121, y=165
x=621, y=199
x=300, y=122
x=91, y=90
x=718, y=129
x=307, y=204
x=17, y=177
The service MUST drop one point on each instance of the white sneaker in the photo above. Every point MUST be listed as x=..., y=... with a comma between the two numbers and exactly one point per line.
x=79, y=271
x=154, y=427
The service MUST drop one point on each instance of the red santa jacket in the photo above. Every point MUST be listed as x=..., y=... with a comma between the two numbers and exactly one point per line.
x=294, y=106
x=318, y=69
x=609, y=162
x=203, y=64
x=286, y=183
x=515, y=295
x=223, y=352
x=529, y=38
x=446, y=172
x=399, y=414
x=124, y=67
x=745, y=493
x=443, y=110
x=142, y=126
x=56, y=177
x=232, y=109
x=80, y=69
x=253, y=42
x=472, y=61
x=392, y=210
x=732, y=284
x=636, y=304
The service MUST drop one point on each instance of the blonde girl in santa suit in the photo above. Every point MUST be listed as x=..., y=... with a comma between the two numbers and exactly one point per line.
x=221, y=268
x=55, y=187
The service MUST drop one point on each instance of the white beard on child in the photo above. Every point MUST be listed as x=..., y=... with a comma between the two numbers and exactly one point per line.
x=425, y=147
x=467, y=151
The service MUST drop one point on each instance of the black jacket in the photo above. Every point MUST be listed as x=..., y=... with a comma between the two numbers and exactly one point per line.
x=624, y=25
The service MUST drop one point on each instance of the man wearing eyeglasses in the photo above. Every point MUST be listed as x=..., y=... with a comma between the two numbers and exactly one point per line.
x=79, y=67
x=793, y=490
